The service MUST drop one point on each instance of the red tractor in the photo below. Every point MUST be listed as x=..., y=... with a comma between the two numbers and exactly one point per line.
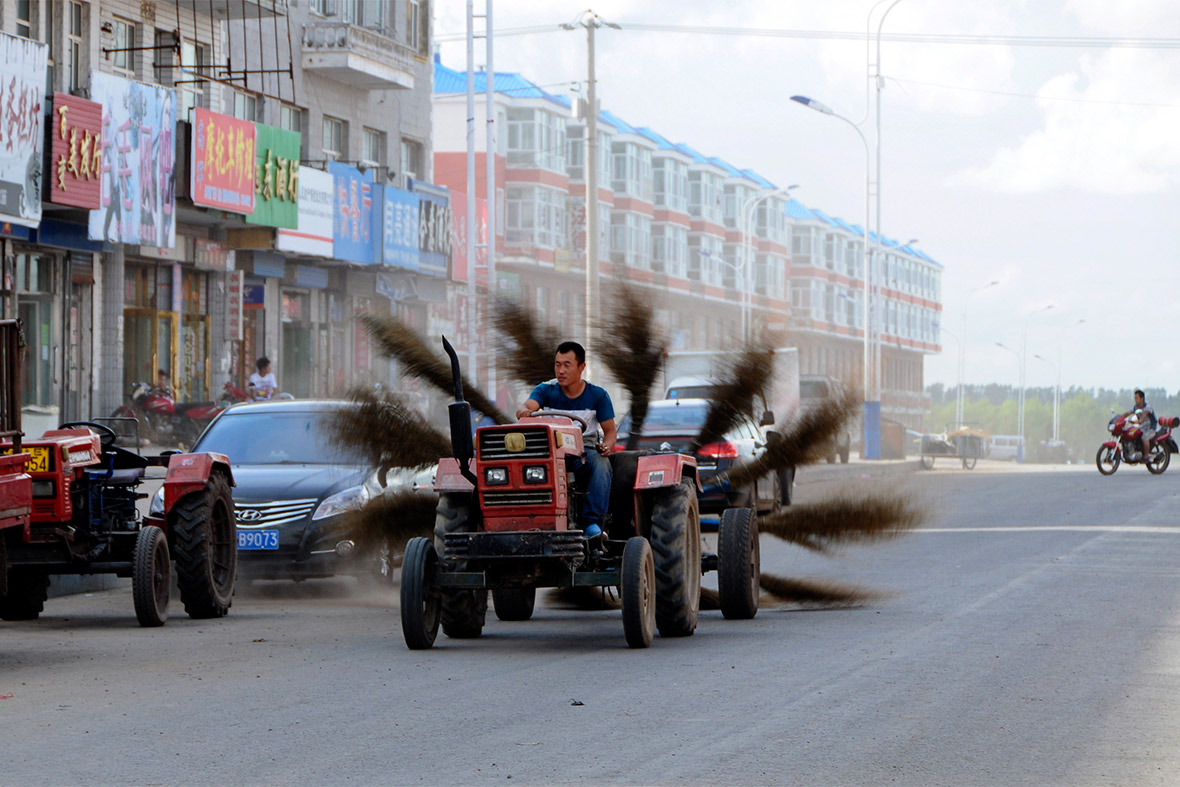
x=507, y=522
x=75, y=493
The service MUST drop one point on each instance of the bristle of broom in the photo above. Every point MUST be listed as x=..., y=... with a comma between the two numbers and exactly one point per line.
x=842, y=520
x=637, y=351
x=528, y=346
x=805, y=441
x=815, y=594
x=401, y=343
x=738, y=383
x=710, y=599
x=393, y=519
x=386, y=432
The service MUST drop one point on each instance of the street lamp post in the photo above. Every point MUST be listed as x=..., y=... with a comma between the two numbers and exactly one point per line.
x=1057, y=391
x=1019, y=414
x=1057, y=370
x=961, y=397
x=872, y=397
x=1023, y=358
x=748, y=209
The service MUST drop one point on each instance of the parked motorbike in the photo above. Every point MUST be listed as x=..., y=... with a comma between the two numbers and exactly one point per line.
x=1127, y=445
x=168, y=422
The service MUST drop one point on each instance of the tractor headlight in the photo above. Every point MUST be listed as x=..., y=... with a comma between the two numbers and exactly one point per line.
x=536, y=475
x=351, y=499
x=495, y=476
x=156, y=509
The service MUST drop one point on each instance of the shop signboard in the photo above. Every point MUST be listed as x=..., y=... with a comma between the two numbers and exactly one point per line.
x=313, y=234
x=460, y=269
x=75, y=153
x=400, y=229
x=234, y=282
x=353, y=214
x=209, y=255
x=434, y=228
x=23, y=67
x=138, y=198
x=276, y=177
x=222, y=169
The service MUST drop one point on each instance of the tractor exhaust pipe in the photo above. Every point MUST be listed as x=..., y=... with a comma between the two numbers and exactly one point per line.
x=462, y=442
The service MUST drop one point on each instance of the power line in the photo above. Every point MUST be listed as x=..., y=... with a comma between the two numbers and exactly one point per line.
x=1093, y=42
x=1032, y=95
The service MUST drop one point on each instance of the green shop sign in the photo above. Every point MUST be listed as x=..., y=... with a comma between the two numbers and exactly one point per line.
x=276, y=181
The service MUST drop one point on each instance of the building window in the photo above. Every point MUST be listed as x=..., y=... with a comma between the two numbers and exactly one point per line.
x=536, y=217
x=372, y=148
x=418, y=26
x=245, y=106
x=631, y=170
x=704, y=197
x=631, y=239
x=290, y=118
x=121, y=59
x=536, y=138
x=334, y=138
x=670, y=180
x=323, y=7
x=669, y=243
x=24, y=19
x=413, y=158
x=74, y=28
x=365, y=13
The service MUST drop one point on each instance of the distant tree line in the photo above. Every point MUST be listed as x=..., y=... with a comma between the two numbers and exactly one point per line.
x=1084, y=413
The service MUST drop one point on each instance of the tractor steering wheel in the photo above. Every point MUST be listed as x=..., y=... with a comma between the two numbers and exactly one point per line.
x=106, y=435
x=565, y=414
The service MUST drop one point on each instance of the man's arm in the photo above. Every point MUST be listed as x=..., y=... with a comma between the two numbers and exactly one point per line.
x=529, y=407
x=610, y=435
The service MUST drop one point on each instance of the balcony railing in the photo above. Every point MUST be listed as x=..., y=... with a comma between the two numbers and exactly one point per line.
x=357, y=56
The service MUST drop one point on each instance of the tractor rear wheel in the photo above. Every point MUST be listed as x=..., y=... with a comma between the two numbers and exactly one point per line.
x=463, y=611
x=638, y=593
x=205, y=542
x=420, y=607
x=151, y=577
x=514, y=603
x=27, y=591
x=676, y=551
x=739, y=571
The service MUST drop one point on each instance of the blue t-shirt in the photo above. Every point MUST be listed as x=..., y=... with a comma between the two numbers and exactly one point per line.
x=593, y=404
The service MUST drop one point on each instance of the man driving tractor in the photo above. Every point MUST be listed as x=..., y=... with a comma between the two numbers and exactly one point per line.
x=592, y=403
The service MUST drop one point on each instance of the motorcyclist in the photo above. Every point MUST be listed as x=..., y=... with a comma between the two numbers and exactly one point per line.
x=1148, y=423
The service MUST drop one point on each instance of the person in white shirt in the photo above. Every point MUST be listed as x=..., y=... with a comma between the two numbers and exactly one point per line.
x=262, y=383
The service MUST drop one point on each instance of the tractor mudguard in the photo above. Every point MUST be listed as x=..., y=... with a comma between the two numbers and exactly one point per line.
x=1110, y=444
x=661, y=470
x=190, y=473
x=448, y=477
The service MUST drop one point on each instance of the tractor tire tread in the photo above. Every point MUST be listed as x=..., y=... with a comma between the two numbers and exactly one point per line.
x=675, y=538
x=200, y=592
x=464, y=612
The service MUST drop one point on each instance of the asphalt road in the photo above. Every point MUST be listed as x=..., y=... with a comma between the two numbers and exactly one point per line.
x=1029, y=634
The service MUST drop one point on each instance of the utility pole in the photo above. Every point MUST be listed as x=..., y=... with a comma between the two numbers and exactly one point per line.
x=592, y=283
x=490, y=197
x=472, y=369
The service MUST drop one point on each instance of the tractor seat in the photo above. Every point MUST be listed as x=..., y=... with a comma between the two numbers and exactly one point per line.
x=123, y=477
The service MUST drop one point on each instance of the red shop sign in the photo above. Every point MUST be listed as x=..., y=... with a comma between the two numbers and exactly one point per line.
x=75, y=152
x=222, y=162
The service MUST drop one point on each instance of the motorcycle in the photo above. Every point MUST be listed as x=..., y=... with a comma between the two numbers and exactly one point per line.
x=1126, y=447
x=168, y=422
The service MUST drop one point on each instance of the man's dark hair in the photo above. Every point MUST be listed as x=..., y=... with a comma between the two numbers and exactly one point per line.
x=262, y=363
x=1139, y=392
x=573, y=347
x=164, y=373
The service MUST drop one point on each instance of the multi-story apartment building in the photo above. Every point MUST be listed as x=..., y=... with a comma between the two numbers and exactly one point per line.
x=678, y=223
x=237, y=179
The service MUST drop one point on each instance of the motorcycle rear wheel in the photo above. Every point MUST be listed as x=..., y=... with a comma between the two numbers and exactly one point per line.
x=1159, y=459
x=1107, y=460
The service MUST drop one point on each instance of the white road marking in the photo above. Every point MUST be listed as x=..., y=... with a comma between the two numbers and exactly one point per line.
x=1175, y=531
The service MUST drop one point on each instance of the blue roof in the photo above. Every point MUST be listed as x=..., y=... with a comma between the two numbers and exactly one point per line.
x=761, y=181
x=725, y=165
x=663, y=142
x=619, y=123
x=698, y=158
x=797, y=210
x=448, y=81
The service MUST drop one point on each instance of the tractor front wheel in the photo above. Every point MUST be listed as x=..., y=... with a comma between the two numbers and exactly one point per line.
x=463, y=611
x=151, y=577
x=638, y=593
x=205, y=541
x=27, y=591
x=739, y=570
x=514, y=603
x=676, y=550
x=420, y=607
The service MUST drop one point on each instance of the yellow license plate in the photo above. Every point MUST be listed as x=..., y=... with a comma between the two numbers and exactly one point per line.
x=38, y=458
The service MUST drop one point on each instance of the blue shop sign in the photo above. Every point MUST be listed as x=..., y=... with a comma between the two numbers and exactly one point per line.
x=353, y=214
x=400, y=229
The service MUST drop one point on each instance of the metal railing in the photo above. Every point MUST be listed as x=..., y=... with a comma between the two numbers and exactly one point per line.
x=320, y=37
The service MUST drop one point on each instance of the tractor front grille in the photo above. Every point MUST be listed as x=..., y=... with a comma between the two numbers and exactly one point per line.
x=519, y=497
x=279, y=512
x=536, y=444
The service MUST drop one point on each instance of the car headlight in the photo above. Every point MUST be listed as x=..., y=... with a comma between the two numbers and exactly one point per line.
x=495, y=476
x=156, y=509
x=351, y=499
x=536, y=475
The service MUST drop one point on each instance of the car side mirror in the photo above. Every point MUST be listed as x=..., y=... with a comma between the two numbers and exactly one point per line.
x=767, y=418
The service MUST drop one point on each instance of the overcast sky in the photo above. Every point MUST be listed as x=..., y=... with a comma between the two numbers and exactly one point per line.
x=1053, y=170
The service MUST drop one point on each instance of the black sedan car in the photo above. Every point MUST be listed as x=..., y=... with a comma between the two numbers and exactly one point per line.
x=671, y=425
x=293, y=490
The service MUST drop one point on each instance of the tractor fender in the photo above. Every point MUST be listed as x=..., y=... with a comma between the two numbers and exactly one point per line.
x=662, y=470
x=449, y=478
x=189, y=473
x=1111, y=444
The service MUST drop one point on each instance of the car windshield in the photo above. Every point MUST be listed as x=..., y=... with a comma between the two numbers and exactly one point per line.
x=665, y=418
x=260, y=438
